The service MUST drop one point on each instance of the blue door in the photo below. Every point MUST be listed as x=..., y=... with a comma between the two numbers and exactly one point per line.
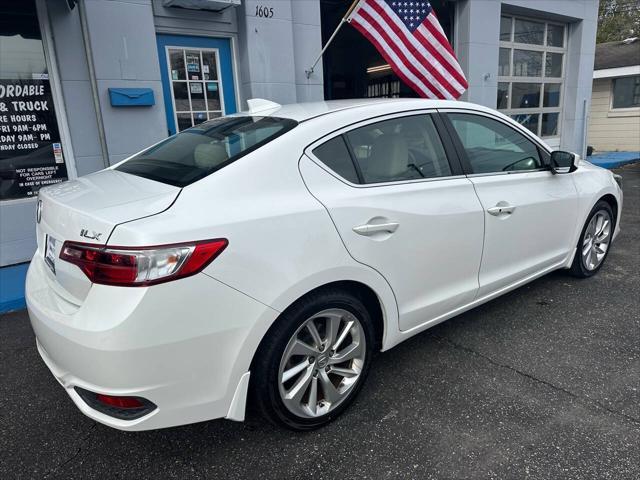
x=197, y=79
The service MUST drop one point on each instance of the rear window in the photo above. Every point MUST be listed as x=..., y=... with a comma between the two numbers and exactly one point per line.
x=199, y=151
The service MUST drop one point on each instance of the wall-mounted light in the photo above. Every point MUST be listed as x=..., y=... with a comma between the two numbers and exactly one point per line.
x=379, y=68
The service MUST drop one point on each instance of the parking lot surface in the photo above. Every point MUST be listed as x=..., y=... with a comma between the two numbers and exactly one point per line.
x=542, y=383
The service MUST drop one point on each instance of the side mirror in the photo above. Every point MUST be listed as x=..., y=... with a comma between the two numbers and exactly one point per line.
x=562, y=162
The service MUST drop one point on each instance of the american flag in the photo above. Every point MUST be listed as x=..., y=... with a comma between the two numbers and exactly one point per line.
x=408, y=35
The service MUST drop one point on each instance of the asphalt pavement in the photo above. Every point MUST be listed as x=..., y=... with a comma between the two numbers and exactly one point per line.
x=543, y=383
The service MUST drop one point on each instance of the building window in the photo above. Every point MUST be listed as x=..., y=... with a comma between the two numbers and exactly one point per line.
x=195, y=86
x=31, y=153
x=530, y=73
x=626, y=92
x=386, y=87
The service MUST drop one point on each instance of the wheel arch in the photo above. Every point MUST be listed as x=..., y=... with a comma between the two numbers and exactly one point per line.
x=383, y=316
x=613, y=203
x=366, y=293
x=360, y=279
x=362, y=291
x=587, y=201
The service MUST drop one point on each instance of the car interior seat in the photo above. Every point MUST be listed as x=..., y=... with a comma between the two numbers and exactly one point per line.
x=389, y=158
x=209, y=155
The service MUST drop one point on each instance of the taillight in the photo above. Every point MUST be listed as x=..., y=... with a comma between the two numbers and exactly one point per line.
x=141, y=266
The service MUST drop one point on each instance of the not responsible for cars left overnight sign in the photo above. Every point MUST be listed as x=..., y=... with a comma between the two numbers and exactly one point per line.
x=31, y=154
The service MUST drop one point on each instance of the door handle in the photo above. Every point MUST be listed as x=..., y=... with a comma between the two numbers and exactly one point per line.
x=501, y=208
x=372, y=228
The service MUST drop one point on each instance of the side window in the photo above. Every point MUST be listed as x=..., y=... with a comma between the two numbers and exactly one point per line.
x=404, y=148
x=492, y=146
x=335, y=155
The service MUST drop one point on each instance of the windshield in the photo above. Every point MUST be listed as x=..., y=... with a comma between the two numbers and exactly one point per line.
x=199, y=151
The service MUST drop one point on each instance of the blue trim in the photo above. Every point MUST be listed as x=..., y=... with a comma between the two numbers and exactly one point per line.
x=612, y=160
x=6, y=307
x=12, y=287
x=226, y=70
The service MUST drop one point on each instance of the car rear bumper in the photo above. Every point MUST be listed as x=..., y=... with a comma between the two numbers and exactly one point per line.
x=180, y=345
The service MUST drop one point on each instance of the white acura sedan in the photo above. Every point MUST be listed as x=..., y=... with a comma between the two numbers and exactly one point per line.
x=263, y=257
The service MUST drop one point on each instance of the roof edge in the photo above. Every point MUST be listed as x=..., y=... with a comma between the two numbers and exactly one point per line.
x=617, y=72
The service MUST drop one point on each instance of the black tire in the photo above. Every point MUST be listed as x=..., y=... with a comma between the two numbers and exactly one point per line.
x=578, y=268
x=264, y=384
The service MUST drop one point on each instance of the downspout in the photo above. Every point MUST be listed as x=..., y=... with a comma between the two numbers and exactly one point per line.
x=585, y=125
x=93, y=82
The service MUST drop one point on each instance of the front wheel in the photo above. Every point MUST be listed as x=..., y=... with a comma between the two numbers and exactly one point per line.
x=595, y=241
x=314, y=360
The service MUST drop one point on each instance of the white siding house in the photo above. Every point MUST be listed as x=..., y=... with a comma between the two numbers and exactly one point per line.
x=614, y=123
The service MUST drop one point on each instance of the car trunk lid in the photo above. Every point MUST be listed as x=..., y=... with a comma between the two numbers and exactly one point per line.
x=87, y=210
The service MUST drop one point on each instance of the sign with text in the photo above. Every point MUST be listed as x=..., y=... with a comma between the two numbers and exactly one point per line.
x=31, y=154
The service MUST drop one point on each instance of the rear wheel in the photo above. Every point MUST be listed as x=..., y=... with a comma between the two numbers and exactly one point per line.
x=313, y=362
x=595, y=240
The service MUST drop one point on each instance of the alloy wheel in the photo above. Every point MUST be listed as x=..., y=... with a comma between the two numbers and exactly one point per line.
x=597, y=238
x=322, y=363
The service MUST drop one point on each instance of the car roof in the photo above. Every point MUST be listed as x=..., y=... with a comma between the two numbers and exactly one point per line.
x=301, y=112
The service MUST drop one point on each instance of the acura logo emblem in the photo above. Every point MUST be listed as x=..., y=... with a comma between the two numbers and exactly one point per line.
x=39, y=211
x=323, y=361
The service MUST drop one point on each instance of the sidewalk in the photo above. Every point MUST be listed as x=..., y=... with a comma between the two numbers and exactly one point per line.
x=614, y=159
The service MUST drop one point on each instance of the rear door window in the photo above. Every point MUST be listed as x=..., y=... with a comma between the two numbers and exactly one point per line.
x=199, y=151
x=403, y=148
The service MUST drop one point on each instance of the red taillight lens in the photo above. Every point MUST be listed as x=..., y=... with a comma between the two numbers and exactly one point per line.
x=203, y=255
x=101, y=266
x=140, y=266
x=119, y=402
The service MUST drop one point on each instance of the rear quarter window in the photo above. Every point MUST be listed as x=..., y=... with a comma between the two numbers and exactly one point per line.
x=200, y=151
x=335, y=155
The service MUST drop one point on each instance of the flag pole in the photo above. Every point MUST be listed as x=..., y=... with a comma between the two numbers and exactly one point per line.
x=343, y=20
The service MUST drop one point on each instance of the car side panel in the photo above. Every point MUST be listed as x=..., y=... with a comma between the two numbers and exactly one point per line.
x=282, y=243
x=279, y=234
x=535, y=236
x=431, y=261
